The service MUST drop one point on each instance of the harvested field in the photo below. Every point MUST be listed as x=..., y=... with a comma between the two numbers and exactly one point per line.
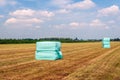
x=81, y=61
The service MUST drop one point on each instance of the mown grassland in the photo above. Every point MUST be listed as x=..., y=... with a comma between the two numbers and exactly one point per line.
x=81, y=61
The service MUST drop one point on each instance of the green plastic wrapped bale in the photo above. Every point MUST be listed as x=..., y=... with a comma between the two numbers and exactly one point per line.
x=47, y=50
x=47, y=45
x=48, y=55
x=106, y=39
x=106, y=42
x=106, y=46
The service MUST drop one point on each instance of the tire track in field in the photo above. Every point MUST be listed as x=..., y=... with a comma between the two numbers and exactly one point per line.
x=84, y=73
x=61, y=69
x=18, y=59
x=73, y=50
x=13, y=60
x=7, y=52
x=22, y=65
x=73, y=67
x=105, y=66
x=20, y=54
x=34, y=64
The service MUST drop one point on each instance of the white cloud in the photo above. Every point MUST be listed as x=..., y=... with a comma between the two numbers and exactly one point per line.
x=46, y=13
x=7, y=2
x=63, y=11
x=78, y=24
x=93, y=24
x=112, y=10
x=98, y=23
x=61, y=3
x=74, y=24
x=86, y=4
x=1, y=16
x=31, y=13
x=19, y=21
x=69, y=4
x=28, y=16
x=23, y=12
x=12, y=2
x=11, y=20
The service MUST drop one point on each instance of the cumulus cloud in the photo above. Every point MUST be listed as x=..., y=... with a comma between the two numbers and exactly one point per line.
x=69, y=4
x=61, y=3
x=98, y=23
x=23, y=12
x=7, y=2
x=11, y=20
x=19, y=21
x=71, y=25
x=63, y=11
x=1, y=16
x=78, y=24
x=112, y=10
x=86, y=4
x=31, y=13
x=28, y=16
x=46, y=13
x=74, y=24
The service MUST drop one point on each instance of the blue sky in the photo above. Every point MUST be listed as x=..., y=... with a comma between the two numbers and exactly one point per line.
x=85, y=19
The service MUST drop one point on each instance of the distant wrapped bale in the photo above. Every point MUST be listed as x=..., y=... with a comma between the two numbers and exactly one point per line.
x=106, y=42
x=106, y=39
x=106, y=46
x=47, y=50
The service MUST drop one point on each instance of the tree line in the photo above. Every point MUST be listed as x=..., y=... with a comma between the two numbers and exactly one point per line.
x=64, y=40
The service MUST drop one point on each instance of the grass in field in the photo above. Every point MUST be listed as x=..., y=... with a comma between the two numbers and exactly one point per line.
x=102, y=68
x=81, y=61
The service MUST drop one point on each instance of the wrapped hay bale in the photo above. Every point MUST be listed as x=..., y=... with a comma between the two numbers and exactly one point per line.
x=48, y=50
x=106, y=42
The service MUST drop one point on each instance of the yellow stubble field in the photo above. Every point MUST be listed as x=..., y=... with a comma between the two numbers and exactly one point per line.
x=81, y=61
